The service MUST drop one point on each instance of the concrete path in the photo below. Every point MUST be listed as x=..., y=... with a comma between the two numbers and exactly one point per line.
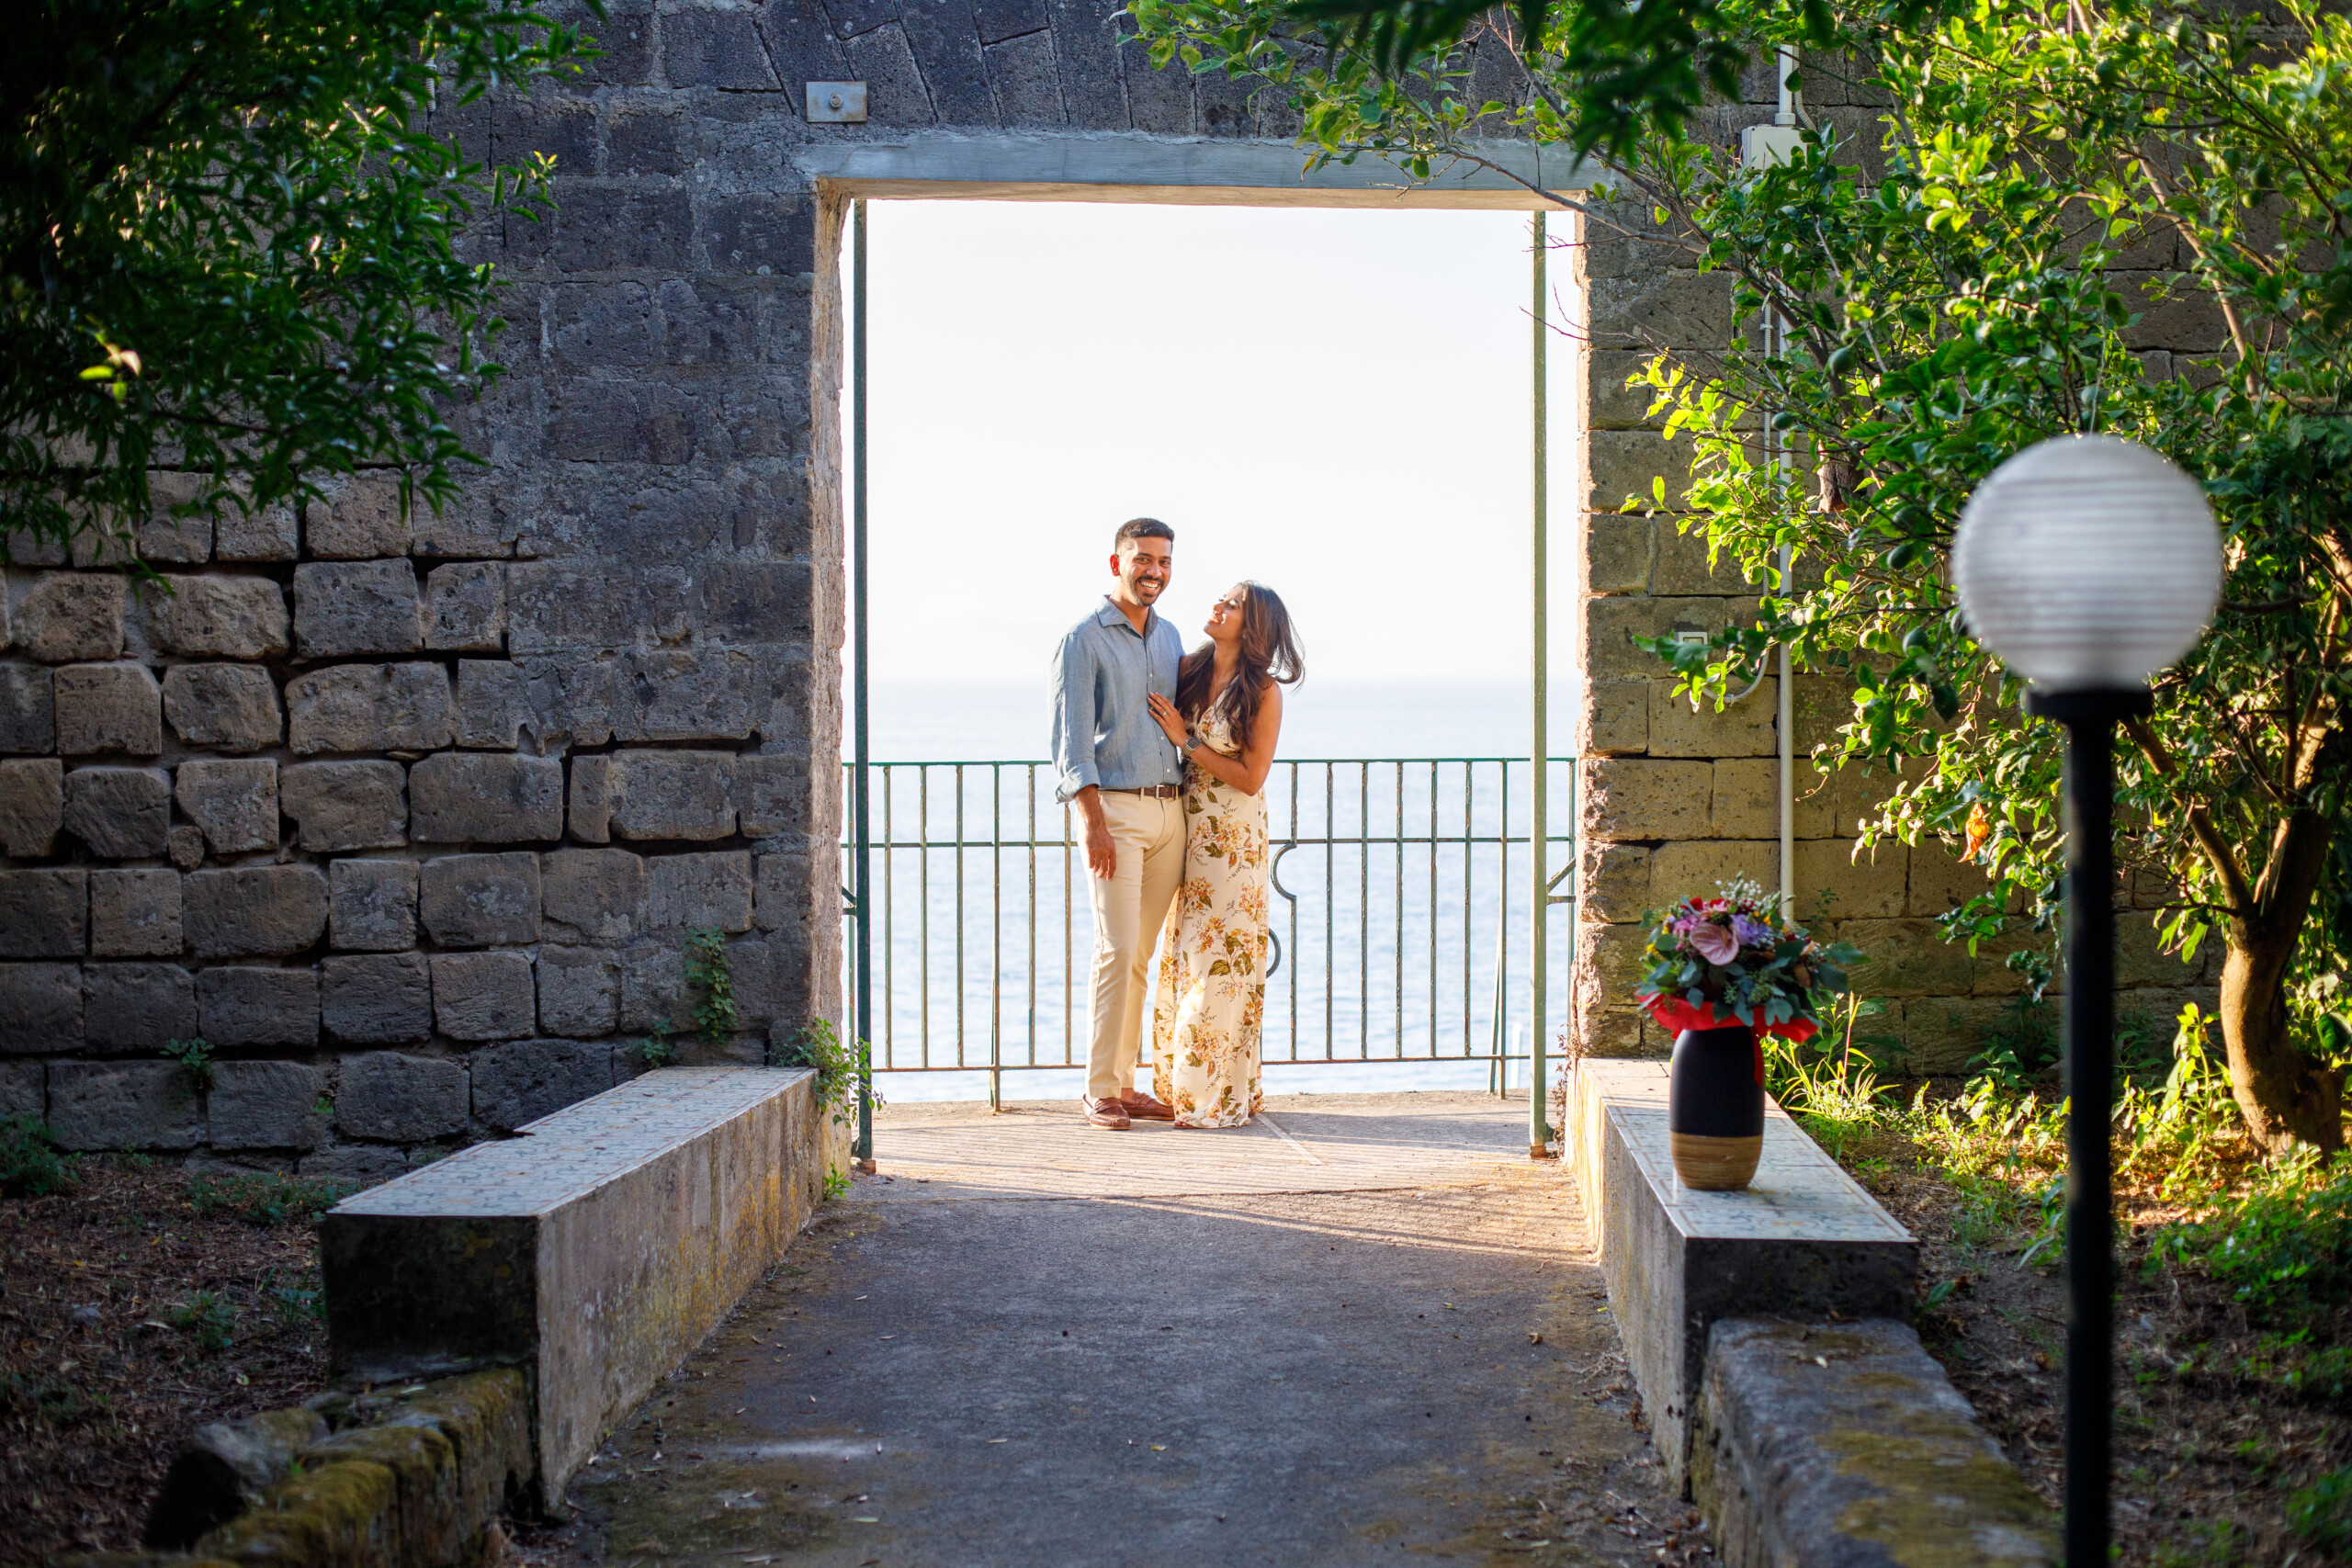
x=1365, y=1330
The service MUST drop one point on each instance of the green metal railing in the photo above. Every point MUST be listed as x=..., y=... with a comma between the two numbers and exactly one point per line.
x=1400, y=918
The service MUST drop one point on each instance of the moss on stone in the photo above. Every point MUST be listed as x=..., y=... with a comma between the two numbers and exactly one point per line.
x=335, y=1516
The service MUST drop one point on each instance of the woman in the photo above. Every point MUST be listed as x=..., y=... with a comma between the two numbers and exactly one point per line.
x=1226, y=714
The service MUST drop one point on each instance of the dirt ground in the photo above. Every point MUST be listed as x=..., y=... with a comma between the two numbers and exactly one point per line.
x=2204, y=1457
x=128, y=1320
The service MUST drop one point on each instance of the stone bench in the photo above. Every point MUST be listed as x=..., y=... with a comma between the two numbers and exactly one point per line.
x=1804, y=1241
x=593, y=1250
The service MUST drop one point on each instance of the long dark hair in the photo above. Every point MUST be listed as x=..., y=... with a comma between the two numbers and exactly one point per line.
x=1269, y=653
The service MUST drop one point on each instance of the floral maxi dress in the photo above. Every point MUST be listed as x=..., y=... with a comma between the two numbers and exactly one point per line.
x=1212, y=997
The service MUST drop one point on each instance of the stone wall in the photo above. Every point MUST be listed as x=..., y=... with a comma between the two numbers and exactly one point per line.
x=408, y=816
x=1675, y=800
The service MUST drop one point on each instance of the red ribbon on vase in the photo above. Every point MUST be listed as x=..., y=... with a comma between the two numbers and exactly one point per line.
x=1673, y=1012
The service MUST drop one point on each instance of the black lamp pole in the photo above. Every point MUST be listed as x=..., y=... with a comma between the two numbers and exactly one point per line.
x=2090, y=717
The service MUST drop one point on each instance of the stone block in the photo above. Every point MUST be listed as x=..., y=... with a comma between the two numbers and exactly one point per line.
x=1676, y=1260
x=44, y=912
x=373, y=905
x=168, y=537
x=108, y=707
x=1745, y=729
x=70, y=615
x=118, y=1105
x=186, y=848
x=654, y=998
x=1635, y=797
x=1699, y=866
x=715, y=49
x=1629, y=464
x=25, y=548
x=345, y=607
x=41, y=1007
x=1682, y=566
x=371, y=707
x=24, y=1089
x=781, y=891
x=1873, y=886
x=1613, y=720
x=580, y=991
x=700, y=891
x=724, y=1165
x=1617, y=550
x=27, y=709
x=233, y=801
x=487, y=798
x=1788, y=1410
x=674, y=795
x=401, y=1099
x=120, y=813
x=689, y=694
x=771, y=981
x=493, y=703
x=483, y=996
x=1908, y=958
x=32, y=806
x=135, y=914
x=2141, y=958
x=1745, y=802
x=771, y=796
x=480, y=901
x=138, y=1007
x=593, y=896
x=218, y=618
x=255, y=911
x=377, y=998
x=1941, y=1035
x=589, y=807
x=1612, y=624
x=359, y=519
x=346, y=805
x=1614, y=883
x=1616, y=1034
x=228, y=707
x=1609, y=964
x=354, y=1164
x=236, y=1005
x=465, y=607
x=530, y=1079
x=266, y=1105
x=269, y=533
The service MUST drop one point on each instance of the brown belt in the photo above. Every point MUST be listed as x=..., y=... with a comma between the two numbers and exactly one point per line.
x=1157, y=792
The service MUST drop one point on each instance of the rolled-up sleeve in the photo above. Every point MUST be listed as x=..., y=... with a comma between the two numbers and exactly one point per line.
x=1073, y=689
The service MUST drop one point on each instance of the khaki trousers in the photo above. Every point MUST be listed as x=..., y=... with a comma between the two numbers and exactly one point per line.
x=1147, y=844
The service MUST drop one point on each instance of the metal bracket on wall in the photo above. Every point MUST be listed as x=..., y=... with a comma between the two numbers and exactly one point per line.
x=837, y=102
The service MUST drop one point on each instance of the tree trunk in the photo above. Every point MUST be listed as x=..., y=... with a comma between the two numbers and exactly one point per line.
x=2284, y=1094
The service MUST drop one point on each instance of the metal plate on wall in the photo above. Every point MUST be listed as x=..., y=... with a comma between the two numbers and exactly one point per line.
x=836, y=103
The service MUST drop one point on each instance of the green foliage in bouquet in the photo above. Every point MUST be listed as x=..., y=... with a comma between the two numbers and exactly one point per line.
x=1736, y=959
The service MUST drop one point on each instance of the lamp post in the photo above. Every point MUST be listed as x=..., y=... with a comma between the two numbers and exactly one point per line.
x=2088, y=563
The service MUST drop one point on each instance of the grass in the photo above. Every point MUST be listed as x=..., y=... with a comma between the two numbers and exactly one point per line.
x=275, y=1198
x=31, y=1165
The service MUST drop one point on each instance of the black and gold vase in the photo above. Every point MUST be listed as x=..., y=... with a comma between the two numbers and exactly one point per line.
x=1714, y=1108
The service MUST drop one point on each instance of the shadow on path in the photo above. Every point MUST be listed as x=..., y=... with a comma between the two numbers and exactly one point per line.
x=969, y=1362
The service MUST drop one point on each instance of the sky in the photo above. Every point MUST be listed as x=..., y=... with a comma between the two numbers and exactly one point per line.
x=1333, y=402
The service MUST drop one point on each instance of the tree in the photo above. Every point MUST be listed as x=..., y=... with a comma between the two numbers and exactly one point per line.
x=231, y=245
x=1962, y=305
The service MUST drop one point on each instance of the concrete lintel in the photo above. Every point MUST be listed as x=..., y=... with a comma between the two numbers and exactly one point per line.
x=1803, y=1241
x=1199, y=171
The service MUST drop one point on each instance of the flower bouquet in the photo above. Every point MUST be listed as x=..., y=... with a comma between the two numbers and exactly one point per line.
x=1733, y=960
x=1723, y=973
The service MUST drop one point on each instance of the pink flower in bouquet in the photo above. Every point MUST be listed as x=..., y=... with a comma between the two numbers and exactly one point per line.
x=1714, y=943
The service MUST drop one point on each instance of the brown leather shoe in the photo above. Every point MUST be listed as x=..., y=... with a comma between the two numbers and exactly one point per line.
x=1107, y=1113
x=1143, y=1108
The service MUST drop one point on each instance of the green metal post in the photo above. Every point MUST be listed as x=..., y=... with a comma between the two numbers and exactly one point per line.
x=862, y=874
x=1539, y=884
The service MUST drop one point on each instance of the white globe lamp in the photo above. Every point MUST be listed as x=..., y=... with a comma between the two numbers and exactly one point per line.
x=2087, y=562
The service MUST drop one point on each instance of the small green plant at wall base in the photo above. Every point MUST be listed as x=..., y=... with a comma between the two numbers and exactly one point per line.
x=657, y=1051
x=836, y=1183
x=31, y=1165
x=207, y=1318
x=195, y=1057
x=2322, y=1512
x=839, y=1067
x=711, y=969
x=264, y=1201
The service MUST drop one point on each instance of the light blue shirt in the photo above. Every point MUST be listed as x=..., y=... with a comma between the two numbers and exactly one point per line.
x=1104, y=731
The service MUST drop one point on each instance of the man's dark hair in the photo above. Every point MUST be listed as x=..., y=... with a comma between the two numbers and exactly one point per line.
x=1141, y=528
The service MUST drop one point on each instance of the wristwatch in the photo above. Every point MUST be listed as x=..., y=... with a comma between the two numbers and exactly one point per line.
x=1191, y=744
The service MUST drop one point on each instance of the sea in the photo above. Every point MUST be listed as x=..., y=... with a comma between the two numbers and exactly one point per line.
x=1401, y=922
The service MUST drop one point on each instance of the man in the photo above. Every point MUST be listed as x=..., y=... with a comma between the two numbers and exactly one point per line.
x=1114, y=765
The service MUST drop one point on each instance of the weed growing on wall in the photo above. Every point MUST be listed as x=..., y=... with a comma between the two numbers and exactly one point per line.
x=31, y=1164
x=841, y=1065
x=710, y=969
x=195, y=1057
